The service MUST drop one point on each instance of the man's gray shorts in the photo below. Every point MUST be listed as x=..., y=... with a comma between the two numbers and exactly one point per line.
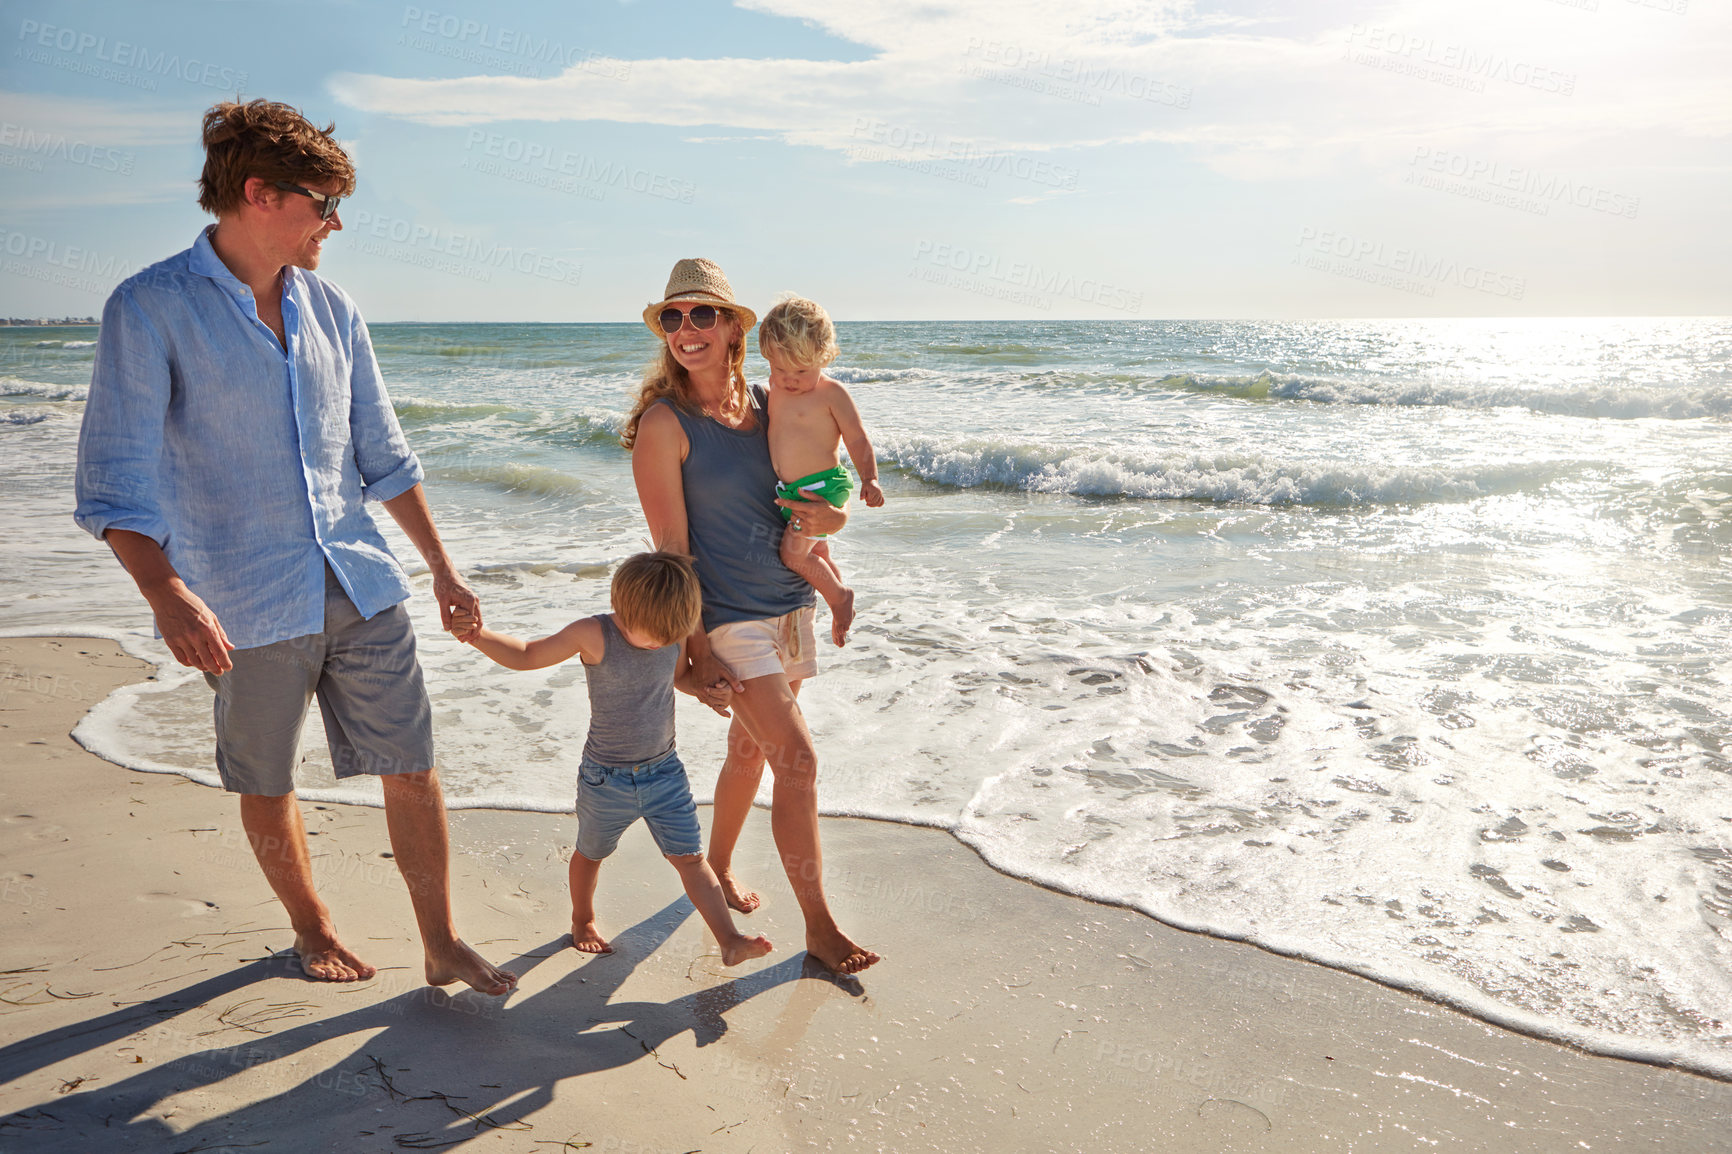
x=368, y=682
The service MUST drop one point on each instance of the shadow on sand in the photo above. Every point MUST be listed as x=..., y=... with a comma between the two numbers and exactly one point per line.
x=495, y=1061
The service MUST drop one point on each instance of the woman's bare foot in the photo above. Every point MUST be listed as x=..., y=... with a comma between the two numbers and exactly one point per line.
x=842, y=617
x=838, y=953
x=459, y=963
x=325, y=959
x=741, y=901
x=587, y=939
x=743, y=949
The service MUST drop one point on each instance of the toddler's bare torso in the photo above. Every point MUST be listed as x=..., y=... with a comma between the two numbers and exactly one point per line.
x=804, y=436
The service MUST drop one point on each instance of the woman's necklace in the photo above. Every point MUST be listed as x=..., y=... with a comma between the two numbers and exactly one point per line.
x=726, y=413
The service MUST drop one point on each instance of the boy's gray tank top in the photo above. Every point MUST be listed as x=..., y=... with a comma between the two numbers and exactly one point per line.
x=631, y=700
x=732, y=521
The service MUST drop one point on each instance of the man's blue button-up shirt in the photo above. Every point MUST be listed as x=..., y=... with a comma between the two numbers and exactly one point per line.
x=248, y=463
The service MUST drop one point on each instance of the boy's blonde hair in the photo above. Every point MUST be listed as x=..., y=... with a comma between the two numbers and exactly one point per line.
x=799, y=330
x=656, y=595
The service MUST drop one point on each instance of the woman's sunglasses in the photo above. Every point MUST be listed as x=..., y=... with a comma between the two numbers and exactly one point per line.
x=703, y=318
x=327, y=204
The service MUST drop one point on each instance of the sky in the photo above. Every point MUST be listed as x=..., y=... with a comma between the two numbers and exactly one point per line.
x=910, y=159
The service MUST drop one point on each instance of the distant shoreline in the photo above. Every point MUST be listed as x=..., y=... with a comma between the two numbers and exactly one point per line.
x=61, y=323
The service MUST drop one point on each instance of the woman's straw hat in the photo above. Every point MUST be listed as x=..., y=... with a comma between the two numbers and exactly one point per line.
x=696, y=280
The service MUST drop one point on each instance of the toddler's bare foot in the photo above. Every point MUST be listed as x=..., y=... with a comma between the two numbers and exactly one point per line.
x=842, y=618
x=740, y=900
x=835, y=950
x=459, y=963
x=586, y=939
x=325, y=958
x=743, y=949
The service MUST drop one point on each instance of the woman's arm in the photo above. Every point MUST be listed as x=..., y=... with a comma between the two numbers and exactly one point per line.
x=686, y=681
x=655, y=466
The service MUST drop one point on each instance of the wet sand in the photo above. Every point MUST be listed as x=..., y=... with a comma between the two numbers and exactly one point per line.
x=147, y=1005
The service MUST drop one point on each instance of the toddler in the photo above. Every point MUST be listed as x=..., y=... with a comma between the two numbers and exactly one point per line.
x=810, y=416
x=633, y=659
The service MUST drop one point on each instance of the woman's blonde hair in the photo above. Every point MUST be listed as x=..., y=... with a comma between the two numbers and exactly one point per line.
x=800, y=330
x=666, y=377
x=656, y=595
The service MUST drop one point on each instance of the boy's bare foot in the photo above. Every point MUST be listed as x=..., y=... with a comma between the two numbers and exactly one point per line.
x=743, y=949
x=741, y=901
x=585, y=938
x=459, y=963
x=842, y=618
x=838, y=953
x=326, y=959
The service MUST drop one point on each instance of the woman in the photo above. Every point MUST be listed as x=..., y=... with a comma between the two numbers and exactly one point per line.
x=701, y=460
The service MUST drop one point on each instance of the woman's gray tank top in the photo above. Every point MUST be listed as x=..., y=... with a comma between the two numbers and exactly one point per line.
x=732, y=521
x=631, y=700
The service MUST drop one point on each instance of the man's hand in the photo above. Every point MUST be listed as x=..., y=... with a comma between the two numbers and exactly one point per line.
x=871, y=493
x=409, y=510
x=456, y=597
x=191, y=630
x=814, y=518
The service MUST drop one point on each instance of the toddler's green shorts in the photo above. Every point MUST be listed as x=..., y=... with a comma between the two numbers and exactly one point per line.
x=833, y=485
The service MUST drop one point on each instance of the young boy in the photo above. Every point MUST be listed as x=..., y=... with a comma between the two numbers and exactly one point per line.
x=633, y=659
x=810, y=414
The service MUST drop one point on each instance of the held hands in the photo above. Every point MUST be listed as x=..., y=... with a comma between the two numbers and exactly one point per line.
x=716, y=684
x=871, y=493
x=455, y=598
x=463, y=625
x=191, y=630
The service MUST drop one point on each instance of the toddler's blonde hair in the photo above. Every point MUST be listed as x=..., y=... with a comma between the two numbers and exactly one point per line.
x=656, y=595
x=799, y=330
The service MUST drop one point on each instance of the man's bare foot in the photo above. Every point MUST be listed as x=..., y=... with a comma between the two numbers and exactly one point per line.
x=585, y=938
x=838, y=953
x=326, y=959
x=459, y=963
x=741, y=901
x=842, y=618
x=743, y=949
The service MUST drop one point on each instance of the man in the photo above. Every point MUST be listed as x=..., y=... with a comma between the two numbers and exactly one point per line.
x=236, y=424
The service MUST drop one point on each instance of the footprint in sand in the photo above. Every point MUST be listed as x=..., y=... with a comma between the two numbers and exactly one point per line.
x=176, y=905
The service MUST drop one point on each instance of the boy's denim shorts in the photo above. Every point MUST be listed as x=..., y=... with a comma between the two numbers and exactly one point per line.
x=611, y=797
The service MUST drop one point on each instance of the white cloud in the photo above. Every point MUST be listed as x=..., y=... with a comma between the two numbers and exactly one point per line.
x=1251, y=101
x=100, y=122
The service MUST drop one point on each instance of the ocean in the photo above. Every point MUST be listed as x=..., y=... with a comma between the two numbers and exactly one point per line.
x=1401, y=646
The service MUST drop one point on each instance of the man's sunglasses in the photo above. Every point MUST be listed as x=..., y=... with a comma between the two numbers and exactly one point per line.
x=703, y=318
x=327, y=204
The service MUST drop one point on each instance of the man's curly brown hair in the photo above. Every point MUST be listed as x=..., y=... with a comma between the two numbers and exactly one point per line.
x=268, y=140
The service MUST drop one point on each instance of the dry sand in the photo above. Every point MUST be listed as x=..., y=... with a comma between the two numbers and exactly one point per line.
x=145, y=1006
